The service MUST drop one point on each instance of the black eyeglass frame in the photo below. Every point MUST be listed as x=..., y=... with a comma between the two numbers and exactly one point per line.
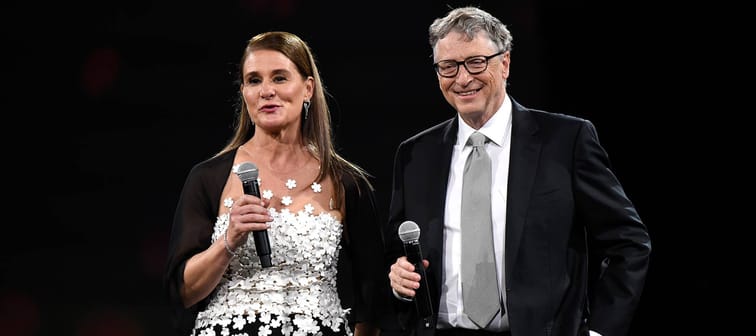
x=464, y=63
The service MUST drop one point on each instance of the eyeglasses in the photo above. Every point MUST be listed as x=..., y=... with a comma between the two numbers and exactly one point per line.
x=474, y=65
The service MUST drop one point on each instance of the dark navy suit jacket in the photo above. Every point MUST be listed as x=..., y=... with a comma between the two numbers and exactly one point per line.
x=576, y=250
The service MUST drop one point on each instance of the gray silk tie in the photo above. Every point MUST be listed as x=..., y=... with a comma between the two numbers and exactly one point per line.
x=480, y=292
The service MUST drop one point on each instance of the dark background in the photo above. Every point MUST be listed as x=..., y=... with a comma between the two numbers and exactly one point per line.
x=108, y=105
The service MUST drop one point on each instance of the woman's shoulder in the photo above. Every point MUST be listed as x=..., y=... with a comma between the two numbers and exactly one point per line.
x=212, y=171
x=220, y=162
x=355, y=180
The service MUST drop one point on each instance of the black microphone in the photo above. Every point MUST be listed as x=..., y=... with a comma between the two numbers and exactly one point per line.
x=248, y=173
x=409, y=233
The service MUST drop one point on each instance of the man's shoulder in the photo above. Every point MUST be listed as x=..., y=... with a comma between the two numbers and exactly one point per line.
x=547, y=116
x=542, y=115
x=434, y=133
x=551, y=121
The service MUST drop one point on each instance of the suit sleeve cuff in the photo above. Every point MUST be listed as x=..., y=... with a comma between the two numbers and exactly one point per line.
x=406, y=299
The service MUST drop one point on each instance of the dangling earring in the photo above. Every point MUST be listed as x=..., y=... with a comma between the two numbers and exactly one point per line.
x=306, y=108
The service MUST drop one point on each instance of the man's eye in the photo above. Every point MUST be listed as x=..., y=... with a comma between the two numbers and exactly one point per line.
x=476, y=61
x=447, y=65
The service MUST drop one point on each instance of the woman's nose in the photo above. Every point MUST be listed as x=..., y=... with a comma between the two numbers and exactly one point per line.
x=266, y=91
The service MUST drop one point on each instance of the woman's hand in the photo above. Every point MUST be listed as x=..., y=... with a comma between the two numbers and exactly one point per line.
x=249, y=213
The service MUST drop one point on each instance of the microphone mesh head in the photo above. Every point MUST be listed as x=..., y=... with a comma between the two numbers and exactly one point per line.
x=409, y=231
x=247, y=171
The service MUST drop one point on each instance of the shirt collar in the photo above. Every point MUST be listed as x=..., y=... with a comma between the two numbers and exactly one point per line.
x=494, y=129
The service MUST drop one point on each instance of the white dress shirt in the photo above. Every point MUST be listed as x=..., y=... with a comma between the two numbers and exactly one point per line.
x=498, y=130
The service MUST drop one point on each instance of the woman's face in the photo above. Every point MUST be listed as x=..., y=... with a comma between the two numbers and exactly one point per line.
x=273, y=90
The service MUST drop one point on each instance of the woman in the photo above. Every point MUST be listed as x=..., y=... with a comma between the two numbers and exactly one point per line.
x=318, y=210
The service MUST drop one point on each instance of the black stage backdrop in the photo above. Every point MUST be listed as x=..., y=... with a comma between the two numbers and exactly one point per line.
x=109, y=104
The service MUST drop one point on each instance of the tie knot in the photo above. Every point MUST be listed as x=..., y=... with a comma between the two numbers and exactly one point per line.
x=477, y=139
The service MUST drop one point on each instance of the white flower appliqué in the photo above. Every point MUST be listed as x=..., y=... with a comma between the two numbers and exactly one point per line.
x=291, y=184
x=267, y=194
x=316, y=187
x=286, y=200
x=228, y=202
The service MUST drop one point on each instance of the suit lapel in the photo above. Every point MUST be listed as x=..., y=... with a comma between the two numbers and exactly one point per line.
x=438, y=193
x=523, y=161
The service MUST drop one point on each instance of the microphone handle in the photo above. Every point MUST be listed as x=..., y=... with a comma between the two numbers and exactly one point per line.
x=262, y=242
x=422, y=296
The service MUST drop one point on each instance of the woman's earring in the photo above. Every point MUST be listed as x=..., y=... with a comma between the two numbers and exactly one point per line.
x=306, y=108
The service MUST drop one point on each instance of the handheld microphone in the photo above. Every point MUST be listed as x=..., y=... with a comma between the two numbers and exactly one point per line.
x=409, y=233
x=248, y=174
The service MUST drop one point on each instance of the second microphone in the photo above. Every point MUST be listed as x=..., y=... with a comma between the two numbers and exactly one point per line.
x=409, y=233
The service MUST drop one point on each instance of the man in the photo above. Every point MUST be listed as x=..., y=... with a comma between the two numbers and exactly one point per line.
x=568, y=251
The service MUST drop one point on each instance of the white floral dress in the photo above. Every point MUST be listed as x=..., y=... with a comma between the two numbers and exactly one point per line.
x=298, y=294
